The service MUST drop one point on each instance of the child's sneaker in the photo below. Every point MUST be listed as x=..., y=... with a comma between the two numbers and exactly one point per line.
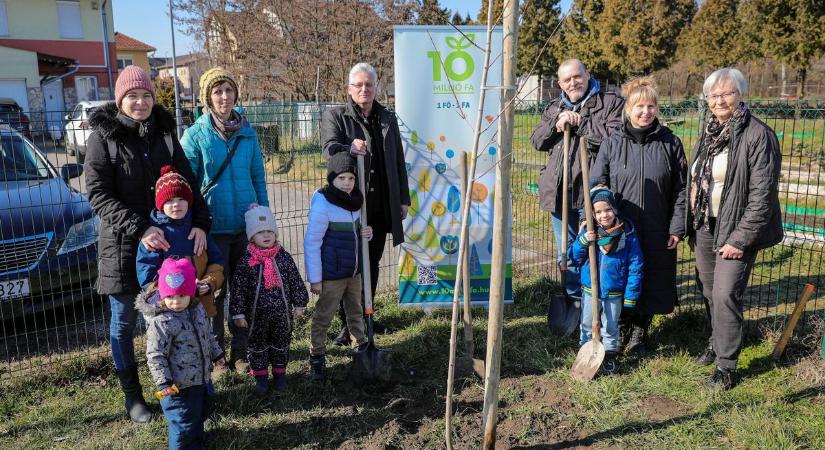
x=610, y=366
x=317, y=368
x=261, y=385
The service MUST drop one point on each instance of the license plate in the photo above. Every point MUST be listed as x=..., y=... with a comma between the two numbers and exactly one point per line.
x=14, y=288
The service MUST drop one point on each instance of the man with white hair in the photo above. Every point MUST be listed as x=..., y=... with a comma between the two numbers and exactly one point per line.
x=590, y=113
x=362, y=126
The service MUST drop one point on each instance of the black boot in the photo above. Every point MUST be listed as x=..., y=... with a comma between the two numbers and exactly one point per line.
x=722, y=379
x=707, y=357
x=636, y=343
x=342, y=340
x=136, y=409
x=317, y=368
x=610, y=365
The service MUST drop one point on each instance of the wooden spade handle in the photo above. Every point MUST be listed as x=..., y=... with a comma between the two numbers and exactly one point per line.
x=807, y=292
x=565, y=196
x=365, y=249
x=591, y=247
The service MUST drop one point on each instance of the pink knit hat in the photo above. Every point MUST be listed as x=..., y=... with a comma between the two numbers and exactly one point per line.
x=176, y=277
x=132, y=77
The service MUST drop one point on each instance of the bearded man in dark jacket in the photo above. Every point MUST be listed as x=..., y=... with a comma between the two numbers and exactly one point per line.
x=588, y=112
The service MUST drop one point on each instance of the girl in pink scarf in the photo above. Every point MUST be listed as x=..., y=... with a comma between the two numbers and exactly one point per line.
x=268, y=293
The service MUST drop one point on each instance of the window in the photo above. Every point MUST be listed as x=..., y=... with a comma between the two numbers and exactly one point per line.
x=86, y=88
x=4, y=19
x=68, y=19
x=123, y=62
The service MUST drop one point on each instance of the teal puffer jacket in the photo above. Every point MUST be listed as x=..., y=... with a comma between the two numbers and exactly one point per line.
x=243, y=182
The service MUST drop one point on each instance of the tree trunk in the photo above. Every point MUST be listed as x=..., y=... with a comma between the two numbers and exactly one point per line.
x=801, y=78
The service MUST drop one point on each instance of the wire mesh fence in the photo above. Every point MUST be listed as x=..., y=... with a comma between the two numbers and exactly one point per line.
x=50, y=315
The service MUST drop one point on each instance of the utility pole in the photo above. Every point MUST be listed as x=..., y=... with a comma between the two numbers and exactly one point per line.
x=501, y=215
x=175, y=73
x=106, y=58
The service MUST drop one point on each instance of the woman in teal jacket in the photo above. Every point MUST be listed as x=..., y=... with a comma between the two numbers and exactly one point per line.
x=229, y=188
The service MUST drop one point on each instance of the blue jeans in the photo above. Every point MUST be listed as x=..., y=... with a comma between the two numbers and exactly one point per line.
x=611, y=310
x=572, y=280
x=186, y=412
x=122, y=330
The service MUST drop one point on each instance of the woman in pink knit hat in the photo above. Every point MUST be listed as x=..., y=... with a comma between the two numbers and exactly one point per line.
x=132, y=139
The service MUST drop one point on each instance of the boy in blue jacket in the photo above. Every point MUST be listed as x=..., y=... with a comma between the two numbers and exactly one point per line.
x=619, y=259
x=173, y=195
x=333, y=259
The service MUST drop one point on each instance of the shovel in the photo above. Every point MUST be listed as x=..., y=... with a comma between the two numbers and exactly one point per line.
x=563, y=313
x=369, y=363
x=591, y=355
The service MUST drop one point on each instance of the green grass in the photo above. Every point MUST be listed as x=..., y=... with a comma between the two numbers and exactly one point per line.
x=658, y=400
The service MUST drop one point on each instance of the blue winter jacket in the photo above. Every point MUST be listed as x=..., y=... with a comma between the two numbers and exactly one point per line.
x=243, y=182
x=620, y=272
x=176, y=233
x=333, y=241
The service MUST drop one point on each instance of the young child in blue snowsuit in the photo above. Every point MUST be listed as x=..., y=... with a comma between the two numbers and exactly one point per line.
x=619, y=259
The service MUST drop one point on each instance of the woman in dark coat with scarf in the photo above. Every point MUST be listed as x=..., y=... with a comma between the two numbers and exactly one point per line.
x=128, y=146
x=733, y=212
x=645, y=163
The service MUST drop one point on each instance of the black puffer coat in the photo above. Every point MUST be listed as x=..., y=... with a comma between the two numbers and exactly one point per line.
x=750, y=217
x=123, y=194
x=601, y=115
x=651, y=179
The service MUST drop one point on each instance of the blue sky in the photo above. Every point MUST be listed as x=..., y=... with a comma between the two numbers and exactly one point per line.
x=148, y=21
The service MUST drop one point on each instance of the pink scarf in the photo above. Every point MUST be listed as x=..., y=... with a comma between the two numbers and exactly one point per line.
x=267, y=257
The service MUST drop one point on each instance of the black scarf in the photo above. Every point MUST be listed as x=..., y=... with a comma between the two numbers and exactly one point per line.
x=350, y=202
x=716, y=139
x=143, y=128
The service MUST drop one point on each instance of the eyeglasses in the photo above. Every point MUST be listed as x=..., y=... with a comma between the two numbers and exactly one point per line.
x=727, y=95
x=367, y=86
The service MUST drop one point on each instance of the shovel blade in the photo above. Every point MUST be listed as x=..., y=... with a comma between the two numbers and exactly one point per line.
x=563, y=314
x=371, y=364
x=588, y=361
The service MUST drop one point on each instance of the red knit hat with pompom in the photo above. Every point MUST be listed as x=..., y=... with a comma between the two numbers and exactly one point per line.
x=171, y=184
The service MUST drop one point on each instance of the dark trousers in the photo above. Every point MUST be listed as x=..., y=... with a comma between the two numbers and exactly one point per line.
x=186, y=412
x=722, y=282
x=232, y=247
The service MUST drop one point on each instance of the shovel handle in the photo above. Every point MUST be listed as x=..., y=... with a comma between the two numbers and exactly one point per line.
x=365, y=250
x=565, y=196
x=591, y=247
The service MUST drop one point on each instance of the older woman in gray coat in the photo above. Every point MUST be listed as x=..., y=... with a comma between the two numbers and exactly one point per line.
x=733, y=212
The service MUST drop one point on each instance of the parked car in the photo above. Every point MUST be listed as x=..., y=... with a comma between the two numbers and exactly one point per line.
x=12, y=115
x=48, y=231
x=77, y=128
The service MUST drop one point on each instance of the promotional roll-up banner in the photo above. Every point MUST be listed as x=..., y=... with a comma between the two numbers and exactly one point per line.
x=437, y=85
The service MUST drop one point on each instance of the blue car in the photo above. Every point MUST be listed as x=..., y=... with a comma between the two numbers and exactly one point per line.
x=48, y=231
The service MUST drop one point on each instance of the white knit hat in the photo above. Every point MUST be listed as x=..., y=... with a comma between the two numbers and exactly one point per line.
x=259, y=218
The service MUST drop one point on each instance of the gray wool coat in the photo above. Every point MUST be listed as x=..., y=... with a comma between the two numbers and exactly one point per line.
x=180, y=347
x=340, y=125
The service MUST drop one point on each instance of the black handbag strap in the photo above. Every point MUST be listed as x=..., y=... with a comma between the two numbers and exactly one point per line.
x=222, y=168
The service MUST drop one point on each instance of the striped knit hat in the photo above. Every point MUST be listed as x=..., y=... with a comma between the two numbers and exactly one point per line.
x=209, y=79
x=171, y=184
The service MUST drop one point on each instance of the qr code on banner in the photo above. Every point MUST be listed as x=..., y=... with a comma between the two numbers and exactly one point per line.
x=427, y=275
